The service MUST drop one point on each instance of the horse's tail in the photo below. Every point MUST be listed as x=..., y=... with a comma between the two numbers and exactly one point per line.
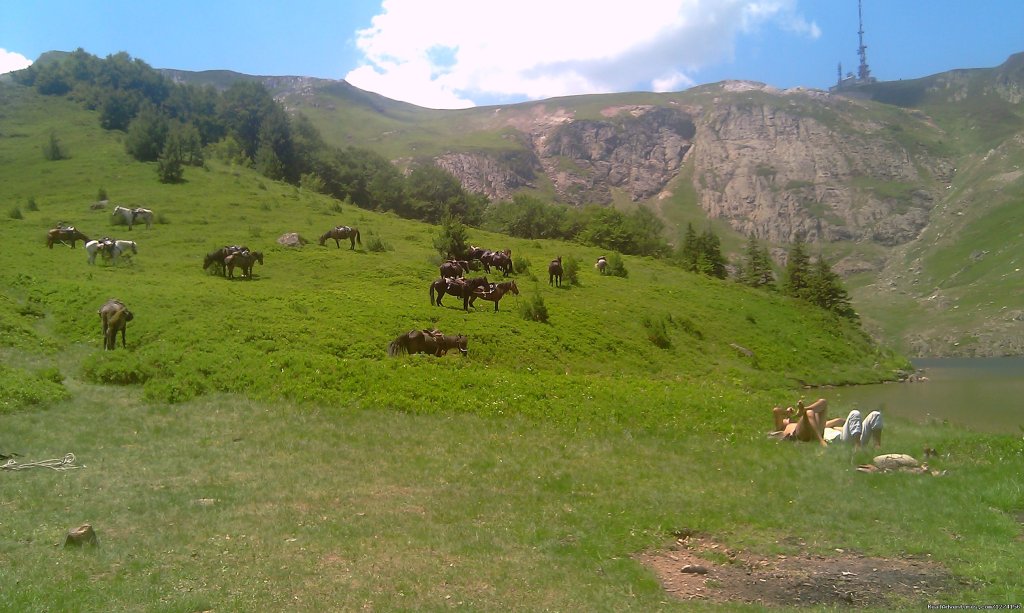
x=358, y=240
x=431, y=294
x=399, y=345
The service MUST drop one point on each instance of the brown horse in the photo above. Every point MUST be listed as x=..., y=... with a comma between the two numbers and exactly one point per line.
x=475, y=253
x=114, y=316
x=454, y=268
x=495, y=292
x=502, y=260
x=218, y=256
x=463, y=288
x=555, y=272
x=243, y=260
x=63, y=234
x=340, y=232
x=427, y=341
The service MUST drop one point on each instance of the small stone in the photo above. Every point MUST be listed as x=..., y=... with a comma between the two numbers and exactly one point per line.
x=695, y=569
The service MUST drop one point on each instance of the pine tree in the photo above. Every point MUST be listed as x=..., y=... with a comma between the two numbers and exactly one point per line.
x=825, y=289
x=757, y=265
x=710, y=260
x=689, y=253
x=798, y=267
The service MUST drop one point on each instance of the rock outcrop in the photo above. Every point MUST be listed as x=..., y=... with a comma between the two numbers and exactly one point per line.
x=773, y=164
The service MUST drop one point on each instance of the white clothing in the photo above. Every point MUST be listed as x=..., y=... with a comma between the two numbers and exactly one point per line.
x=856, y=428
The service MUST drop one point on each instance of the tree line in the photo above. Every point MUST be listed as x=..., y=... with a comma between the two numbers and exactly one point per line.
x=177, y=125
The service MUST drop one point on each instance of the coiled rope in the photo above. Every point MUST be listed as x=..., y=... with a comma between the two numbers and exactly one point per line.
x=65, y=463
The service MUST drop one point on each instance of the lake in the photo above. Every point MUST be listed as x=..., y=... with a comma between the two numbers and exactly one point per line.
x=982, y=394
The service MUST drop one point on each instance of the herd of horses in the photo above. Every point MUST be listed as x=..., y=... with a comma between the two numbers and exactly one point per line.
x=114, y=315
x=230, y=257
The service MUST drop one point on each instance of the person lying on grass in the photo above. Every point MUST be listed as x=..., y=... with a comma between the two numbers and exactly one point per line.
x=808, y=423
x=804, y=423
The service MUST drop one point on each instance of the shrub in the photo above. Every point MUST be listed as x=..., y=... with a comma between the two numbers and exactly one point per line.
x=375, y=243
x=688, y=326
x=520, y=265
x=31, y=204
x=657, y=332
x=534, y=309
x=571, y=270
x=15, y=213
x=116, y=368
x=19, y=388
x=616, y=267
x=101, y=195
x=53, y=150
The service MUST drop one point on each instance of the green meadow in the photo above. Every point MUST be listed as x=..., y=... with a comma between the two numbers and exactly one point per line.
x=254, y=448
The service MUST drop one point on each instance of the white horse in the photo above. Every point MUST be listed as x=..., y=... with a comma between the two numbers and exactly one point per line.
x=111, y=251
x=131, y=215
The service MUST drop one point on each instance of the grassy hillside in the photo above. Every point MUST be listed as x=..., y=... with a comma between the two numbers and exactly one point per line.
x=323, y=315
x=969, y=116
x=254, y=447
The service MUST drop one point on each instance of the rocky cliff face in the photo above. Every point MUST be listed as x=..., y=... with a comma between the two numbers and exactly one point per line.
x=775, y=170
x=773, y=164
x=637, y=150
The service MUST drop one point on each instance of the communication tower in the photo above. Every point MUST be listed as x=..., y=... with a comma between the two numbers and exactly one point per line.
x=863, y=76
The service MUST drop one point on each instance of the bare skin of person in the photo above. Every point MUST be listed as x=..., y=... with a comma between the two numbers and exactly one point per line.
x=804, y=423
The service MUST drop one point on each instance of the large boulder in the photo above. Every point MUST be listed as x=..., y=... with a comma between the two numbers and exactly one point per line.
x=292, y=239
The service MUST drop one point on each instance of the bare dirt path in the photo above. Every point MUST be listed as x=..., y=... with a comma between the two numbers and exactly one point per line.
x=697, y=568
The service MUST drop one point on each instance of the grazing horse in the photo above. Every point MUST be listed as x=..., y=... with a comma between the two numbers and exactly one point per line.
x=454, y=268
x=111, y=249
x=475, y=253
x=130, y=215
x=427, y=341
x=495, y=293
x=502, y=260
x=340, y=232
x=555, y=272
x=125, y=249
x=217, y=257
x=114, y=316
x=463, y=288
x=601, y=264
x=243, y=260
x=63, y=234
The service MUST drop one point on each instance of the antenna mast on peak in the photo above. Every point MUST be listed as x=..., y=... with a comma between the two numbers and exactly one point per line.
x=863, y=73
x=850, y=84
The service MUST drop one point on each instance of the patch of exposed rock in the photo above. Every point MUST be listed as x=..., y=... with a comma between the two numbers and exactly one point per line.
x=776, y=172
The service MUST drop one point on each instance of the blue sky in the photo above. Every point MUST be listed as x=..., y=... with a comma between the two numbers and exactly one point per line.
x=459, y=53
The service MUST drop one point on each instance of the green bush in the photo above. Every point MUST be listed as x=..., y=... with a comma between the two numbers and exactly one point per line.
x=520, y=265
x=15, y=213
x=571, y=270
x=116, y=368
x=376, y=244
x=53, y=150
x=657, y=331
x=31, y=204
x=616, y=267
x=534, y=309
x=19, y=388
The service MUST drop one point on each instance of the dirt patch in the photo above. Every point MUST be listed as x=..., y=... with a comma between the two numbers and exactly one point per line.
x=697, y=568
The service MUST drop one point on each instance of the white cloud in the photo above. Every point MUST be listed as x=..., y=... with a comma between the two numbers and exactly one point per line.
x=11, y=61
x=456, y=53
